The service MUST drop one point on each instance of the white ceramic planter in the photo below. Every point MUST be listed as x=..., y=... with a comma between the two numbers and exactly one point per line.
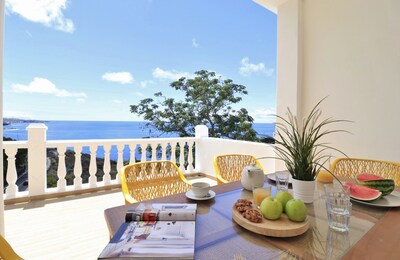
x=303, y=190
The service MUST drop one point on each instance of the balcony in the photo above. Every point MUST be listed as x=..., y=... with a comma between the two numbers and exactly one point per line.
x=66, y=221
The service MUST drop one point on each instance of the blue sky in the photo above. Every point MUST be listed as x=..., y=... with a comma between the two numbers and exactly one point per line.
x=91, y=59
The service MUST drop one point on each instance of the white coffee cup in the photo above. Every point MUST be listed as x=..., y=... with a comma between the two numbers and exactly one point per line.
x=200, y=189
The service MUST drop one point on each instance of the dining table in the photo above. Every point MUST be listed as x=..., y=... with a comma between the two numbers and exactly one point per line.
x=374, y=231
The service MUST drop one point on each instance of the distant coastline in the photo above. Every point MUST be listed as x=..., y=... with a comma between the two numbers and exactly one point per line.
x=9, y=121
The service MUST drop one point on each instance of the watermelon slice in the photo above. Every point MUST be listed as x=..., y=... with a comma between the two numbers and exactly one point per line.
x=386, y=186
x=362, y=193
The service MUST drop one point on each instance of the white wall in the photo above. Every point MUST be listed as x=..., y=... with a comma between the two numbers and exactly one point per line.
x=209, y=147
x=351, y=53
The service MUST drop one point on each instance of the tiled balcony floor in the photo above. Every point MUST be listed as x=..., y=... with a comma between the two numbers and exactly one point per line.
x=63, y=228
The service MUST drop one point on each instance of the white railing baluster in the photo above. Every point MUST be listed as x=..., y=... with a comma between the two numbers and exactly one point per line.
x=182, y=156
x=132, y=151
x=12, y=188
x=190, y=156
x=92, y=166
x=61, y=171
x=120, y=161
x=173, y=154
x=107, y=164
x=78, y=167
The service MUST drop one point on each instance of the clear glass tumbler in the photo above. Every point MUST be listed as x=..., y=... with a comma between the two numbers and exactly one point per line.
x=282, y=180
x=339, y=212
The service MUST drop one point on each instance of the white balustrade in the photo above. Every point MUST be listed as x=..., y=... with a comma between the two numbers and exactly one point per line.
x=92, y=166
x=107, y=164
x=12, y=188
x=179, y=150
x=61, y=171
x=78, y=167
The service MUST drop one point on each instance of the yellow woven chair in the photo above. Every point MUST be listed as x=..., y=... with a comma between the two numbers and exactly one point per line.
x=350, y=167
x=152, y=179
x=6, y=251
x=229, y=167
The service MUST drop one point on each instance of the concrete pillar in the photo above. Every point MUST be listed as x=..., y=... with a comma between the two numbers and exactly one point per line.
x=1, y=117
x=201, y=132
x=289, y=60
x=37, y=155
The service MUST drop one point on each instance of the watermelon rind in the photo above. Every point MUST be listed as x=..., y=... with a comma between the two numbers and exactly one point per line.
x=386, y=186
x=359, y=192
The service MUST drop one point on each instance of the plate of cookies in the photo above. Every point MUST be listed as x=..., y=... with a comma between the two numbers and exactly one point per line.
x=245, y=214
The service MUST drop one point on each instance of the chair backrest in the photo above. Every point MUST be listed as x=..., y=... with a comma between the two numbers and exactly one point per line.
x=152, y=179
x=6, y=251
x=229, y=167
x=351, y=167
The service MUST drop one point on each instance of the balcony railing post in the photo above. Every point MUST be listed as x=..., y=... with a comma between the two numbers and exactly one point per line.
x=37, y=170
x=12, y=188
x=201, y=132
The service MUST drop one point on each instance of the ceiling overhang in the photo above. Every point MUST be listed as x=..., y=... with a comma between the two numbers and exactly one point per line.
x=271, y=5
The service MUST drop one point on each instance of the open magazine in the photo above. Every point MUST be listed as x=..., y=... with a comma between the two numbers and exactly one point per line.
x=158, y=231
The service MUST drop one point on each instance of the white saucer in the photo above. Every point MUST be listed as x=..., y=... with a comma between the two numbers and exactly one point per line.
x=190, y=195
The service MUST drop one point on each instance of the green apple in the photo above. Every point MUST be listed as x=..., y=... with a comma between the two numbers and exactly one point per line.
x=283, y=197
x=271, y=208
x=296, y=210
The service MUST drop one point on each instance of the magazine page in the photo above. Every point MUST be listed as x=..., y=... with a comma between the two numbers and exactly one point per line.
x=155, y=231
x=160, y=239
x=162, y=211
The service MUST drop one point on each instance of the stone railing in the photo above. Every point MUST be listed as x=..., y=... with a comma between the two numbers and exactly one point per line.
x=57, y=166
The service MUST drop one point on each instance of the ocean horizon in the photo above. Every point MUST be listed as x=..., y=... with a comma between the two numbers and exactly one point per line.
x=78, y=130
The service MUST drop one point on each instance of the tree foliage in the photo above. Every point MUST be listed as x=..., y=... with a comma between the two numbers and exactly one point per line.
x=207, y=100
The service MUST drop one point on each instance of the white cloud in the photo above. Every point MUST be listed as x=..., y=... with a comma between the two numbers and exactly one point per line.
x=140, y=94
x=119, y=77
x=195, y=43
x=263, y=115
x=44, y=86
x=172, y=75
x=116, y=101
x=247, y=68
x=81, y=100
x=145, y=83
x=46, y=12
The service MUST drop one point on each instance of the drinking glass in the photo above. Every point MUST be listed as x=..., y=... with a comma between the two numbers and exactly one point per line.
x=338, y=207
x=282, y=180
x=339, y=212
x=335, y=191
x=260, y=192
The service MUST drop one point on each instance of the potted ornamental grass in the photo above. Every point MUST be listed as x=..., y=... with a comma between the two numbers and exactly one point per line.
x=300, y=146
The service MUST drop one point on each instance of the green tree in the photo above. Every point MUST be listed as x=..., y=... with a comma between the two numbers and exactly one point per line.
x=208, y=100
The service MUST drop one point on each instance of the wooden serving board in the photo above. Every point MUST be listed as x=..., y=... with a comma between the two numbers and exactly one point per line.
x=281, y=227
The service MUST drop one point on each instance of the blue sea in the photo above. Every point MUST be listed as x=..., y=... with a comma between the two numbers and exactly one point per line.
x=77, y=130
